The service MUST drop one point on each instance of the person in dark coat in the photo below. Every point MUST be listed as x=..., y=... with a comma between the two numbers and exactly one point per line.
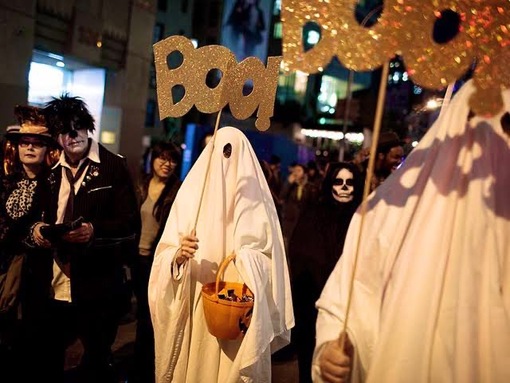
x=314, y=249
x=89, y=281
x=296, y=194
x=25, y=258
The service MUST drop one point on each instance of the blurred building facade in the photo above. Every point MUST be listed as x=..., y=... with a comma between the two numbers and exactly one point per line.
x=99, y=50
x=102, y=51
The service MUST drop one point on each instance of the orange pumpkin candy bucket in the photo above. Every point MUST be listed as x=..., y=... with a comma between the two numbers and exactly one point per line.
x=228, y=306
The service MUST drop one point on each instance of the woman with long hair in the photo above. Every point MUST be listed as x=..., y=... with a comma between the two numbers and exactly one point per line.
x=156, y=194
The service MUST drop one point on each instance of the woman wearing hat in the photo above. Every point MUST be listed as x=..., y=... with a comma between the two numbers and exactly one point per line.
x=25, y=257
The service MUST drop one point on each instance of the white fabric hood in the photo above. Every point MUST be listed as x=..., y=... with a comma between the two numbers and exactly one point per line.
x=237, y=215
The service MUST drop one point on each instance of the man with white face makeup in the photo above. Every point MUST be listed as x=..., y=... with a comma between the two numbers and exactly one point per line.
x=314, y=249
x=92, y=183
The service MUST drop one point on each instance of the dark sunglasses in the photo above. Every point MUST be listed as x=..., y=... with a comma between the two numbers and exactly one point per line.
x=25, y=143
x=68, y=125
x=341, y=182
x=72, y=130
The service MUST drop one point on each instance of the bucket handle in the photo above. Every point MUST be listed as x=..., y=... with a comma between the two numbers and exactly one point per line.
x=221, y=270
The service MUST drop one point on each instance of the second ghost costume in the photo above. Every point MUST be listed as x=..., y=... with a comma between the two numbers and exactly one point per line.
x=237, y=215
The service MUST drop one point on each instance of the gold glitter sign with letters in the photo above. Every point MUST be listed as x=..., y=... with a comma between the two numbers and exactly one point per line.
x=191, y=76
x=406, y=27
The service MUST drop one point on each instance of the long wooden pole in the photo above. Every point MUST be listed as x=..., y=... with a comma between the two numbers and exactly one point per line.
x=207, y=169
x=447, y=98
x=366, y=190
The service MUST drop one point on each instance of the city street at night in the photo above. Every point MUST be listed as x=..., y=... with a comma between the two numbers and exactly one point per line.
x=283, y=371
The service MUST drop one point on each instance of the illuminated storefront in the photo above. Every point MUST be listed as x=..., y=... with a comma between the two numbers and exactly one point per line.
x=51, y=75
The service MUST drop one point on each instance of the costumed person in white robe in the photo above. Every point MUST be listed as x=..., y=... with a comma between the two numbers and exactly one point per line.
x=237, y=215
x=431, y=294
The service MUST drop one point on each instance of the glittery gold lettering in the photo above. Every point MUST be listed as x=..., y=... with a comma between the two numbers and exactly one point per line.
x=358, y=48
x=191, y=76
x=264, y=81
x=430, y=64
x=406, y=27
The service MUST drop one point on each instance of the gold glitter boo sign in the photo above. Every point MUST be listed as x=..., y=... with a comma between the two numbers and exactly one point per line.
x=191, y=75
x=406, y=27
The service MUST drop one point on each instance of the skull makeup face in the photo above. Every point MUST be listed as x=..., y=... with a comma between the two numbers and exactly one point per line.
x=343, y=186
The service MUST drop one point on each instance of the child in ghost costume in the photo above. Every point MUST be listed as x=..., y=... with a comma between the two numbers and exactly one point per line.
x=431, y=295
x=237, y=215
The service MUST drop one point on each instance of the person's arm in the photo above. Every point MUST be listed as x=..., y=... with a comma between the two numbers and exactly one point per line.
x=334, y=360
x=186, y=251
x=188, y=248
x=36, y=235
x=83, y=234
x=19, y=233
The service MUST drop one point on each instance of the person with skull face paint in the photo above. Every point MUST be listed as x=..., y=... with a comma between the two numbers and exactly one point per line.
x=314, y=249
x=88, y=275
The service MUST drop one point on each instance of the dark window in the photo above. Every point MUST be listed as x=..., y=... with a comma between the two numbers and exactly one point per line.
x=214, y=15
x=152, y=78
x=162, y=5
x=150, y=113
x=184, y=6
x=158, y=32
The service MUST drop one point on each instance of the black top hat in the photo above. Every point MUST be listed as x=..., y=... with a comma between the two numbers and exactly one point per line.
x=31, y=122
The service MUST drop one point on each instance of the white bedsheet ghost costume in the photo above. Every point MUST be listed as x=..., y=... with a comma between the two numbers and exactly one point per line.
x=238, y=214
x=431, y=300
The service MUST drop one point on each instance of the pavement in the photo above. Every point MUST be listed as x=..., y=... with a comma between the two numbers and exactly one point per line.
x=284, y=368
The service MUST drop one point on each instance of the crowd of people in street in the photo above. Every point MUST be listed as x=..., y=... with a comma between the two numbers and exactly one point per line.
x=73, y=220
